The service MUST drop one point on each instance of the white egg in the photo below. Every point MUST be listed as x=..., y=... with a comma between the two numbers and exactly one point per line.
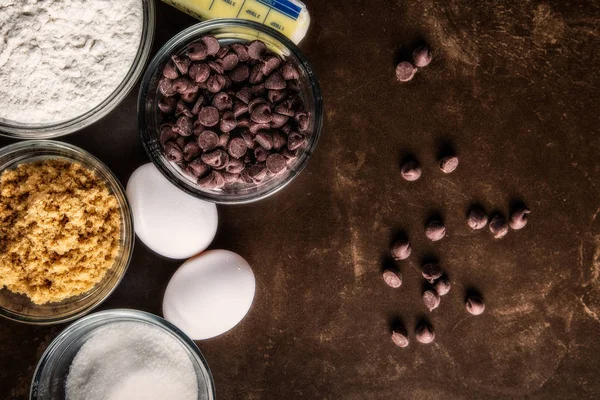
x=209, y=294
x=169, y=221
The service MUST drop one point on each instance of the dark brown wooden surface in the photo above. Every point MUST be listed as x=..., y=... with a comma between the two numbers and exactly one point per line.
x=514, y=88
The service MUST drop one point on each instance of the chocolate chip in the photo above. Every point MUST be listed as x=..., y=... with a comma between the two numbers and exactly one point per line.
x=285, y=108
x=167, y=133
x=173, y=152
x=244, y=94
x=295, y=140
x=208, y=140
x=212, y=45
x=214, y=180
x=392, y=278
x=399, y=337
x=198, y=105
x=261, y=154
x=243, y=122
x=275, y=96
x=190, y=97
x=405, y=71
x=221, y=101
x=264, y=139
x=170, y=71
x=475, y=305
x=278, y=120
x=182, y=63
x=199, y=72
x=432, y=271
x=183, y=126
x=239, y=108
x=256, y=74
x=448, y=164
x=167, y=104
x=431, y=300
x=215, y=83
x=181, y=141
x=208, y=116
x=279, y=141
x=424, y=332
x=216, y=67
x=197, y=51
x=237, y=147
x=257, y=126
x=411, y=171
x=258, y=90
x=290, y=155
x=422, y=56
x=224, y=140
x=198, y=128
x=275, y=82
x=229, y=177
x=235, y=166
x=293, y=86
x=182, y=109
x=276, y=163
x=165, y=87
x=191, y=151
x=240, y=73
x=217, y=158
x=256, y=48
x=197, y=168
x=435, y=230
x=477, y=218
x=184, y=85
x=287, y=128
x=257, y=172
x=228, y=122
x=498, y=226
x=270, y=64
x=254, y=103
x=518, y=218
x=442, y=286
x=229, y=62
x=261, y=113
x=401, y=249
x=248, y=139
x=302, y=120
x=289, y=72
x=241, y=51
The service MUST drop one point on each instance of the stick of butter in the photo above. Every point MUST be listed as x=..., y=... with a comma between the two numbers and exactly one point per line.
x=289, y=17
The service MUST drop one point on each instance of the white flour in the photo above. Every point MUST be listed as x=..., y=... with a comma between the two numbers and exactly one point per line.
x=61, y=58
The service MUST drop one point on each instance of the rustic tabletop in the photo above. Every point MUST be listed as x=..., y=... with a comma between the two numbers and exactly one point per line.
x=514, y=89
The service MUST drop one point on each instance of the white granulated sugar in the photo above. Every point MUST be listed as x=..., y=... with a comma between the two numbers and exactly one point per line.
x=61, y=58
x=131, y=361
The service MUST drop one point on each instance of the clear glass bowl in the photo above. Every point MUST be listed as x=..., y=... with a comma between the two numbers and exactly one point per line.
x=55, y=129
x=228, y=31
x=53, y=368
x=19, y=307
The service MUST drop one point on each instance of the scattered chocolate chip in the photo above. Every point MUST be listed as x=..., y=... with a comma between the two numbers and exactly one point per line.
x=255, y=127
x=275, y=82
x=224, y=140
x=197, y=51
x=197, y=168
x=256, y=74
x=221, y=101
x=229, y=177
x=181, y=141
x=424, y=333
x=399, y=337
x=190, y=97
x=498, y=226
x=229, y=62
x=258, y=90
x=182, y=63
x=411, y=170
x=239, y=108
x=191, y=151
x=208, y=116
x=215, y=83
x=422, y=56
x=199, y=72
x=212, y=45
x=217, y=158
x=518, y=218
x=214, y=180
x=279, y=120
x=165, y=87
x=198, y=105
x=256, y=48
x=279, y=141
x=184, y=85
x=265, y=139
x=295, y=140
x=435, y=230
x=475, y=305
x=290, y=155
x=276, y=163
x=228, y=122
x=170, y=71
x=302, y=120
x=477, y=218
x=244, y=94
x=275, y=96
x=261, y=113
x=235, y=166
x=167, y=104
x=167, y=133
x=240, y=73
x=392, y=278
x=241, y=51
x=400, y=249
x=237, y=147
x=248, y=138
x=182, y=109
x=243, y=122
x=448, y=164
x=216, y=67
x=405, y=71
x=208, y=140
x=270, y=64
x=254, y=103
x=442, y=286
x=183, y=126
x=223, y=51
x=431, y=300
x=257, y=172
x=261, y=154
x=289, y=72
x=285, y=108
x=173, y=152
x=432, y=271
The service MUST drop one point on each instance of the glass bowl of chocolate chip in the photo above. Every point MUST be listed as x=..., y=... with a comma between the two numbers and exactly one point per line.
x=230, y=111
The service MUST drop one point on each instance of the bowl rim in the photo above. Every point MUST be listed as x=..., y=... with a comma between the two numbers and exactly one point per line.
x=194, y=30
x=127, y=220
x=38, y=131
x=115, y=315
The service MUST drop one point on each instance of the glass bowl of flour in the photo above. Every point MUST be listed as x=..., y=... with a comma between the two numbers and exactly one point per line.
x=122, y=355
x=66, y=64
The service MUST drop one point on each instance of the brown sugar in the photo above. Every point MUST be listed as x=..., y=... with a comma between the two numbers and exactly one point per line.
x=60, y=229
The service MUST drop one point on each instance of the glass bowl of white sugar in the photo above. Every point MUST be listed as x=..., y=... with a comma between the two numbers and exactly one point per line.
x=67, y=64
x=122, y=355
